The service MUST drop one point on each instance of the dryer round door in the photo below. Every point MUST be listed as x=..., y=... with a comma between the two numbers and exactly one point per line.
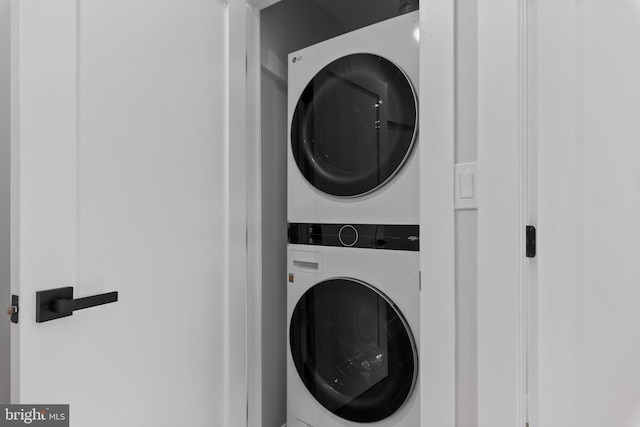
x=354, y=125
x=353, y=350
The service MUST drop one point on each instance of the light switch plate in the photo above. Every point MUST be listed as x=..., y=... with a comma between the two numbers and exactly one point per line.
x=466, y=182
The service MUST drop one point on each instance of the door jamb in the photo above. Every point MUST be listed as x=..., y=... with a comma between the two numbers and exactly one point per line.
x=504, y=273
x=437, y=360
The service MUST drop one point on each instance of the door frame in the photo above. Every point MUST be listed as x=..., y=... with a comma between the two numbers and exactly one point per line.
x=437, y=121
x=506, y=277
x=507, y=43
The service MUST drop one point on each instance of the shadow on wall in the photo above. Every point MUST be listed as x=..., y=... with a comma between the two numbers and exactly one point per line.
x=294, y=24
x=5, y=106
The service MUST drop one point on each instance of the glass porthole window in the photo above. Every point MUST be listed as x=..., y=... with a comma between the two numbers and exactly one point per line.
x=353, y=350
x=354, y=125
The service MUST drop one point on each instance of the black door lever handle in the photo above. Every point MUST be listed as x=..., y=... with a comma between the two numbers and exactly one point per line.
x=56, y=303
x=62, y=305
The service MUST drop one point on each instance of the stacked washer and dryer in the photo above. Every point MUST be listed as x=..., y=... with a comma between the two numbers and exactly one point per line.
x=353, y=208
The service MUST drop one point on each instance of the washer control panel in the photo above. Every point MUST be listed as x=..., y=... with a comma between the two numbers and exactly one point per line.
x=372, y=236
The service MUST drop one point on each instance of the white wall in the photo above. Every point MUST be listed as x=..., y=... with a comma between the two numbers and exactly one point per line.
x=466, y=220
x=5, y=86
x=290, y=25
x=501, y=214
x=274, y=235
x=588, y=110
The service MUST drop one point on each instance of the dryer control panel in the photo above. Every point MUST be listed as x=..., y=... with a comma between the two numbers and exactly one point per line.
x=372, y=236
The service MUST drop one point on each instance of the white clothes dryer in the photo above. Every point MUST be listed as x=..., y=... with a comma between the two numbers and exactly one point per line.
x=353, y=325
x=353, y=114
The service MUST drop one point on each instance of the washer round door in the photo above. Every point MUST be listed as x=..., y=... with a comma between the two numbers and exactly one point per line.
x=354, y=125
x=353, y=350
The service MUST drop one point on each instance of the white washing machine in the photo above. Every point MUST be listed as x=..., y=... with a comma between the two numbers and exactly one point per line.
x=353, y=325
x=353, y=114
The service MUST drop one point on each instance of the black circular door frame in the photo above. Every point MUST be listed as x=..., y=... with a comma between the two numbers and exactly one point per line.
x=355, y=125
x=353, y=349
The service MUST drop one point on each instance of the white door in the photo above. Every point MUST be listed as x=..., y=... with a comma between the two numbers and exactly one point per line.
x=118, y=184
x=588, y=109
x=559, y=106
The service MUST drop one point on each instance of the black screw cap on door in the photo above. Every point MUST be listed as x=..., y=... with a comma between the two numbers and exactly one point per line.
x=56, y=303
x=531, y=241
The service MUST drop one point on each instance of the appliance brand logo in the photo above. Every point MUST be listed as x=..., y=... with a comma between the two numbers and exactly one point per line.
x=296, y=59
x=37, y=415
x=412, y=238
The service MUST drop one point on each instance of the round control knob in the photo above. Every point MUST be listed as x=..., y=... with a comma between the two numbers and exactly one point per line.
x=348, y=235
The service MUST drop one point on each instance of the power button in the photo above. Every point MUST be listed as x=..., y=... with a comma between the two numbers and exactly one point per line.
x=348, y=235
